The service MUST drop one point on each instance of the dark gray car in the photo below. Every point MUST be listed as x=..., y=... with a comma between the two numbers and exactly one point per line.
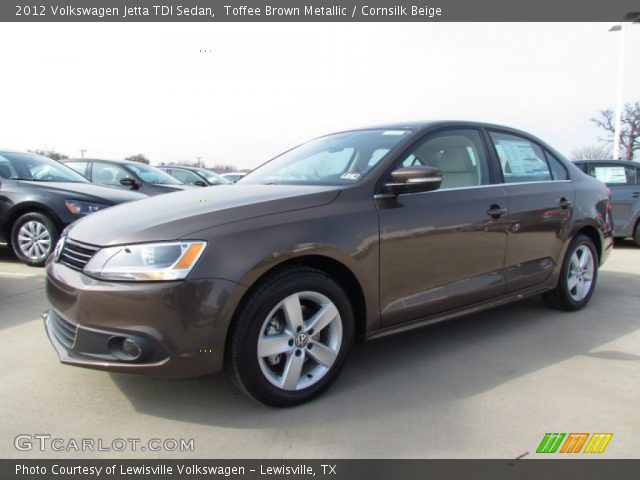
x=623, y=178
x=355, y=235
x=127, y=175
x=39, y=197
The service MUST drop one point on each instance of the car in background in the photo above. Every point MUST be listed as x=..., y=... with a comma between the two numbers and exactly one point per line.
x=354, y=235
x=125, y=174
x=39, y=197
x=199, y=177
x=233, y=177
x=623, y=179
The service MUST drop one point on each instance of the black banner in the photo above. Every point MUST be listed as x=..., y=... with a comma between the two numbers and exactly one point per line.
x=318, y=10
x=321, y=469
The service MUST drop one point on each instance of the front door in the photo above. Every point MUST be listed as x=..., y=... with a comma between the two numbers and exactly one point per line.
x=443, y=249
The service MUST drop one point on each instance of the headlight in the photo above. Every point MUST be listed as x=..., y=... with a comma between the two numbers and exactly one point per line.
x=146, y=262
x=83, y=208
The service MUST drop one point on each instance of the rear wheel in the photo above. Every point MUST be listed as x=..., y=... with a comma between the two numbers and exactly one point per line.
x=636, y=235
x=577, y=277
x=33, y=238
x=291, y=337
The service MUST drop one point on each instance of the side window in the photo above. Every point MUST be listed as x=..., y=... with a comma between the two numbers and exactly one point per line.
x=613, y=174
x=108, y=174
x=184, y=176
x=459, y=154
x=520, y=159
x=80, y=167
x=6, y=169
x=558, y=170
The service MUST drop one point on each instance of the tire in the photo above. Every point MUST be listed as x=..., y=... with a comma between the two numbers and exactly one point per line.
x=33, y=238
x=578, y=276
x=636, y=234
x=296, y=367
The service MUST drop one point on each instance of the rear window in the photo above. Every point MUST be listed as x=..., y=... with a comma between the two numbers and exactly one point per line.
x=613, y=174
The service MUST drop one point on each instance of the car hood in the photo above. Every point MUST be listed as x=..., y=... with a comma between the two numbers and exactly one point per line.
x=170, y=217
x=86, y=191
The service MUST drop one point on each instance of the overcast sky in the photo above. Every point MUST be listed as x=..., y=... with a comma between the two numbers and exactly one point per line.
x=120, y=89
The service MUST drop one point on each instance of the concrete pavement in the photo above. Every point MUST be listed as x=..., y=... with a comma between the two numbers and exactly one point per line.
x=485, y=386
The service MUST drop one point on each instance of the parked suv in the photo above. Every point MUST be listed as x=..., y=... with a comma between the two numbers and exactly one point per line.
x=623, y=178
x=354, y=235
x=39, y=197
x=127, y=175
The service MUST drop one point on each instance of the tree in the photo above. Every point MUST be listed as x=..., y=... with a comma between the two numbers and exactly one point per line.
x=591, y=152
x=50, y=153
x=630, y=128
x=138, y=158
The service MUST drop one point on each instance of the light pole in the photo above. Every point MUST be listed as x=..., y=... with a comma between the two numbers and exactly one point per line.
x=618, y=120
x=631, y=17
x=82, y=152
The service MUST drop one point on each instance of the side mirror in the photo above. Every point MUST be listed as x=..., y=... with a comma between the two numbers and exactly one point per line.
x=130, y=182
x=199, y=183
x=414, y=179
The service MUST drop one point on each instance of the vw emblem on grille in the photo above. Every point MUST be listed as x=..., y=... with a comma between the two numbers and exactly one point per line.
x=59, y=247
x=301, y=340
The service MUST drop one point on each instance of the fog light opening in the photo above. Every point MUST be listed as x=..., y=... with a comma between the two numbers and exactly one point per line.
x=131, y=348
x=125, y=348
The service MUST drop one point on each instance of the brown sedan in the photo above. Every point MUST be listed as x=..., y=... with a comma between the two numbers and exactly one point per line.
x=349, y=237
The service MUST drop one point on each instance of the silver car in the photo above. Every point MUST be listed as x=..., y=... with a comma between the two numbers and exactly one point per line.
x=623, y=178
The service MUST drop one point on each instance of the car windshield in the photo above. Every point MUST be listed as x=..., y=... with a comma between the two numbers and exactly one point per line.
x=212, y=177
x=151, y=174
x=339, y=159
x=29, y=166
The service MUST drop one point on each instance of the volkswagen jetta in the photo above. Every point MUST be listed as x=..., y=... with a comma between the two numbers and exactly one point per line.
x=351, y=236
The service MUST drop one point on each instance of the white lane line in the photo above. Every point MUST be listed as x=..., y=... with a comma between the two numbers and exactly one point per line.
x=18, y=275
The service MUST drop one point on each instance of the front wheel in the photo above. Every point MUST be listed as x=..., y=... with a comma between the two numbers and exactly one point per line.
x=291, y=338
x=33, y=238
x=577, y=277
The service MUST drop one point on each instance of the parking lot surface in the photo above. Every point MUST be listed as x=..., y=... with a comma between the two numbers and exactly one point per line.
x=485, y=386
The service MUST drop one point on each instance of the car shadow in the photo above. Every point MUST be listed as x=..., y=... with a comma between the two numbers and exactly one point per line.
x=443, y=363
x=7, y=256
x=21, y=291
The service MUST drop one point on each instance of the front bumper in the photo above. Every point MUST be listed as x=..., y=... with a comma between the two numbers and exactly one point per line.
x=180, y=326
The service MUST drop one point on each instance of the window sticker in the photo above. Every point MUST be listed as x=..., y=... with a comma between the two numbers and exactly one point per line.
x=394, y=132
x=350, y=176
x=610, y=174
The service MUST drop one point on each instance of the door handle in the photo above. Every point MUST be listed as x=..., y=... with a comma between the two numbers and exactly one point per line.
x=635, y=194
x=564, y=203
x=496, y=211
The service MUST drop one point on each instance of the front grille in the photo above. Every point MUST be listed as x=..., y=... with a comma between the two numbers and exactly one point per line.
x=76, y=255
x=63, y=330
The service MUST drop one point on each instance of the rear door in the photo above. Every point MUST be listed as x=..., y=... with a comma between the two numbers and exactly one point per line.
x=540, y=201
x=625, y=193
x=443, y=249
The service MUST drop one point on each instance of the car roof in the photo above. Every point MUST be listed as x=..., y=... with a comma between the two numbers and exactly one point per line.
x=424, y=125
x=186, y=167
x=21, y=152
x=110, y=160
x=621, y=162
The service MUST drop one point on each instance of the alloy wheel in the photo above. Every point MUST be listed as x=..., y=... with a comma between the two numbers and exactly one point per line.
x=580, y=273
x=34, y=240
x=299, y=340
